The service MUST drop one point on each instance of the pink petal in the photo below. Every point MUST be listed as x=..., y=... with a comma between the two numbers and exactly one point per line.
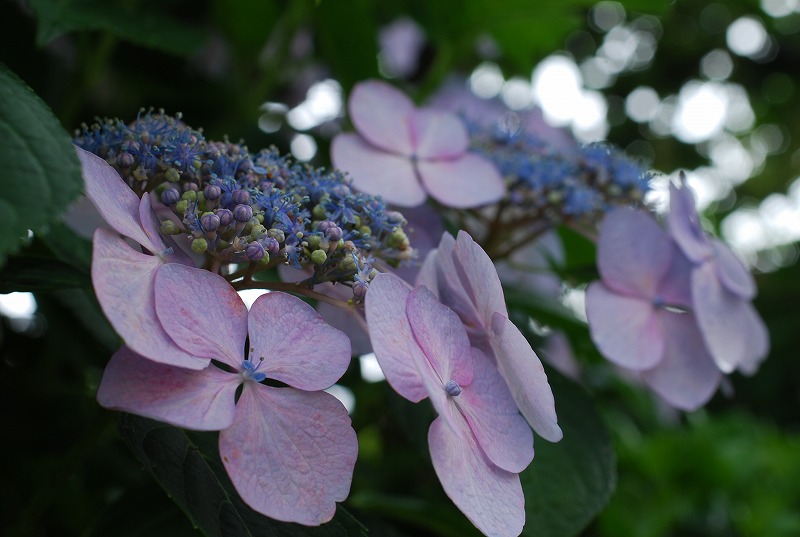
x=157, y=243
x=377, y=172
x=202, y=313
x=298, y=346
x=290, y=453
x=626, y=330
x=494, y=419
x=380, y=114
x=115, y=201
x=525, y=378
x=756, y=341
x=428, y=274
x=687, y=376
x=683, y=223
x=124, y=283
x=390, y=333
x=465, y=182
x=633, y=253
x=437, y=134
x=200, y=400
x=675, y=288
x=479, y=277
x=490, y=497
x=451, y=290
x=348, y=323
x=732, y=272
x=424, y=227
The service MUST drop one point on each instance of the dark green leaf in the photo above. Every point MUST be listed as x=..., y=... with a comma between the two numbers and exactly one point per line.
x=36, y=274
x=41, y=173
x=192, y=475
x=146, y=27
x=571, y=481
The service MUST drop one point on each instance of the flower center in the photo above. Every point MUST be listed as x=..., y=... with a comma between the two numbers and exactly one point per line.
x=250, y=370
x=452, y=388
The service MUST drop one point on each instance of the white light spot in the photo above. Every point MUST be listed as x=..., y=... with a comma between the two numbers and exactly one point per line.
x=323, y=103
x=716, y=65
x=597, y=72
x=700, y=112
x=517, y=94
x=303, y=147
x=641, y=105
x=18, y=305
x=273, y=117
x=605, y=15
x=590, y=124
x=344, y=395
x=557, y=87
x=574, y=298
x=746, y=36
x=779, y=8
x=486, y=80
x=249, y=296
x=370, y=368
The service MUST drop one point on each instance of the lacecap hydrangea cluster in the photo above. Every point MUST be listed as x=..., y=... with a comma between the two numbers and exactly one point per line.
x=236, y=207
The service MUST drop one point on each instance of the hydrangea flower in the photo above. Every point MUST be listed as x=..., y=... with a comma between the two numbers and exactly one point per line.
x=465, y=280
x=640, y=313
x=404, y=154
x=289, y=451
x=722, y=289
x=479, y=442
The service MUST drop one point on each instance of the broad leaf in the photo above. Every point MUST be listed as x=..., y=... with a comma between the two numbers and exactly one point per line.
x=187, y=466
x=41, y=173
x=37, y=274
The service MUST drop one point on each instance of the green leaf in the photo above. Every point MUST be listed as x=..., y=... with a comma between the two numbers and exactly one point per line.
x=571, y=481
x=147, y=27
x=37, y=274
x=188, y=468
x=41, y=173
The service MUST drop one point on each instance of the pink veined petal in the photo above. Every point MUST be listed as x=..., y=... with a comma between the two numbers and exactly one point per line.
x=687, y=376
x=723, y=318
x=479, y=277
x=441, y=337
x=199, y=400
x=490, y=497
x=494, y=419
x=428, y=275
x=202, y=313
x=732, y=272
x=298, y=346
x=290, y=453
x=437, y=134
x=464, y=182
x=124, y=283
x=525, y=377
x=756, y=341
x=633, y=253
x=115, y=201
x=683, y=224
x=390, y=334
x=443, y=404
x=626, y=330
x=380, y=114
x=377, y=172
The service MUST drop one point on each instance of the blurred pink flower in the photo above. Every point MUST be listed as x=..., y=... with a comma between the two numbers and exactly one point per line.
x=404, y=153
x=289, y=451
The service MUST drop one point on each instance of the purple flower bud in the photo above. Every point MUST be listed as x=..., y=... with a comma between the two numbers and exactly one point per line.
x=212, y=192
x=210, y=222
x=125, y=160
x=170, y=196
x=360, y=289
x=254, y=251
x=190, y=186
x=272, y=245
x=241, y=197
x=225, y=217
x=331, y=231
x=242, y=213
x=452, y=388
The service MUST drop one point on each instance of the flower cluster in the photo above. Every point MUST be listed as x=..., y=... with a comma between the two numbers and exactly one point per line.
x=257, y=210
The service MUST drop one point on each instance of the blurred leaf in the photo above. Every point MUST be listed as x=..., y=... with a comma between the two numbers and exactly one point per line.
x=37, y=274
x=196, y=480
x=147, y=27
x=571, y=481
x=41, y=173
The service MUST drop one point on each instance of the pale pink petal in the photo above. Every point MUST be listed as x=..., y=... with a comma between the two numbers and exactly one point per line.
x=756, y=341
x=377, y=172
x=428, y=273
x=298, y=346
x=479, y=277
x=451, y=290
x=675, y=288
x=525, y=378
x=683, y=224
x=465, y=182
x=157, y=243
x=390, y=333
x=441, y=336
x=687, y=376
x=436, y=134
x=114, y=200
x=380, y=114
x=202, y=313
x=348, y=323
x=626, y=330
x=290, y=453
x=490, y=497
x=494, y=419
x=633, y=253
x=124, y=283
x=200, y=400
x=724, y=318
x=732, y=272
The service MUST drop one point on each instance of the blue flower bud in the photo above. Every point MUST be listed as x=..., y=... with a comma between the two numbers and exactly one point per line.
x=170, y=196
x=254, y=251
x=242, y=213
x=212, y=192
x=452, y=388
x=225, y=217
x=210, y=221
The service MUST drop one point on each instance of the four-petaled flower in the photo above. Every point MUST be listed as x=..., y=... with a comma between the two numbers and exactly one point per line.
x=405, y=154
x=289, y=451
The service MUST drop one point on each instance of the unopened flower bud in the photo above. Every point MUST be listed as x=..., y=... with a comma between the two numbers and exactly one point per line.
x=125, y=160
x=242, y=213
x=210, y=221
x=318, y=257
x=199, y=245
x=191, y=186
x=277, y=234
x=254, y=251
x=225, y=217
x=212, y=192
x=189, y=195
x=172, y=175
x=170, y=196
x=360, y=289
x=181, y=206
x=271, y=245
x=168, y=227
x=241, y=197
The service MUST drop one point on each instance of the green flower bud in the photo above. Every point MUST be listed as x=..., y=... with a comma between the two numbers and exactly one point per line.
x=189, y=195
x=313, y=241
x=365, y=231
x=319, y=213
x=398, y=239
x=168, y=227
x=172, y=175
x=264, y=260
x=318, y=257
x=199, y=246
x=181, y=206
